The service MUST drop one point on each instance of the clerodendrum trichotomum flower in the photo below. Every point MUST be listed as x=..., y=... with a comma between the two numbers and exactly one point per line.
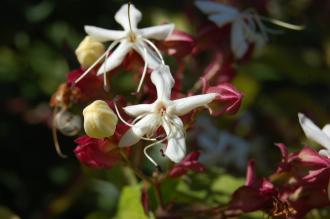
x=314, y=133
x=321, y=137
x=165, y=113
x=131, y=38
x=247, y=26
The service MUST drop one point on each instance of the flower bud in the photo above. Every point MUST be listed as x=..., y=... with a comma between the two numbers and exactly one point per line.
x=99, y=120
x=88, y=51
x=228, y=100
x=67, y=123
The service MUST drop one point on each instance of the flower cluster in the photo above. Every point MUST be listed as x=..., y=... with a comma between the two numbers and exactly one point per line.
x=156, y=113
x=300, y=183
x=155, y=121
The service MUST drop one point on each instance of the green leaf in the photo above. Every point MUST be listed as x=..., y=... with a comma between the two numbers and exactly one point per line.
x=225, y=185
x=130, y=205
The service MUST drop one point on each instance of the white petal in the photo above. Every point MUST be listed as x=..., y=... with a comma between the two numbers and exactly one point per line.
x=313, y=132
x=122, y=17
x=116, y=58
x=102, y=35
x=183, y=106
x=326, y=130
x=210, y=7
x=176, y=146
x=159, y=32
x=149, y=56
x=136, y=110
x=238, y=42
x=259, y=40
x=222, y=19
x=145, y=125
x=325, y=153
x=163, y=81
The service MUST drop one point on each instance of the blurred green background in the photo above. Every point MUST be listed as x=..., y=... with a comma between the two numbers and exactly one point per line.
x=37, y=43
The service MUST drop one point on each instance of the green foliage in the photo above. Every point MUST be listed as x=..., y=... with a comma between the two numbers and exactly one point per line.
x=224, y=186
x=130, y=203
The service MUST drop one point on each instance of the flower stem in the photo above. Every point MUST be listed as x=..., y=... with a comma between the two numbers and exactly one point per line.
x=156, y=185
x=153, y=182
x=136, y=171
x=130, y=176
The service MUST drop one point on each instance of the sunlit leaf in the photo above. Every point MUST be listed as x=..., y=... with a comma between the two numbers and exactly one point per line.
x=130, y=205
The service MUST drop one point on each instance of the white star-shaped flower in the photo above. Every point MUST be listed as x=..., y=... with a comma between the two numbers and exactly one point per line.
x=314, y=133
x=220, y=147
x=246, y=26
x=165, y=113
x=130, y=38
x=321, y=137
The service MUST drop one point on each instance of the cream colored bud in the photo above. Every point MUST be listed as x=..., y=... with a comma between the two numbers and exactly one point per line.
x=99, y=120
x=88, y=51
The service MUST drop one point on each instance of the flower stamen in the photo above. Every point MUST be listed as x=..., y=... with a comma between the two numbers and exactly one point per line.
x=121, y=118
x=104, y=55
x=155, y=49
x=55, y=138
x=129, y=16
x=154, y=144
x=144, y=70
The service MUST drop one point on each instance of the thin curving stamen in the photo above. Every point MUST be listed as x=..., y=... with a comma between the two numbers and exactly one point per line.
x=131, y=124
x=54, y=134
x=282, y=23
x=105, y=54
x=144, y=70
x=129, y=16
x=156, y=50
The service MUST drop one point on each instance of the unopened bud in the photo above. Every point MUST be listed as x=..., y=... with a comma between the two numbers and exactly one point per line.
x=228, y=99
x=88, y=51
x=68, y=123
x=99, y=120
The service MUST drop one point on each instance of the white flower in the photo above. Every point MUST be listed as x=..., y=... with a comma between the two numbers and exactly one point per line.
x=130, y=38
x=321, y=137
x=220, y=147
x=165, y=113
x=314, y=133
x=246, y=26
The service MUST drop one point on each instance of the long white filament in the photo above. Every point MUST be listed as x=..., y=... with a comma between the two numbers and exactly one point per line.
x=105, y=79
x=112, y=45
x=254, y=19
x=54, y=133
x=144, y=70
x=156, y=143
x=282, y=23
x=121, y=118
x=260, y=26
x=132, y=124
x=129, y=16
x=156, y=50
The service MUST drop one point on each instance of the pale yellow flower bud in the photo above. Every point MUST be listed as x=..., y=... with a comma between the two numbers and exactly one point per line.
x=99, y=120
x=88, y=51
